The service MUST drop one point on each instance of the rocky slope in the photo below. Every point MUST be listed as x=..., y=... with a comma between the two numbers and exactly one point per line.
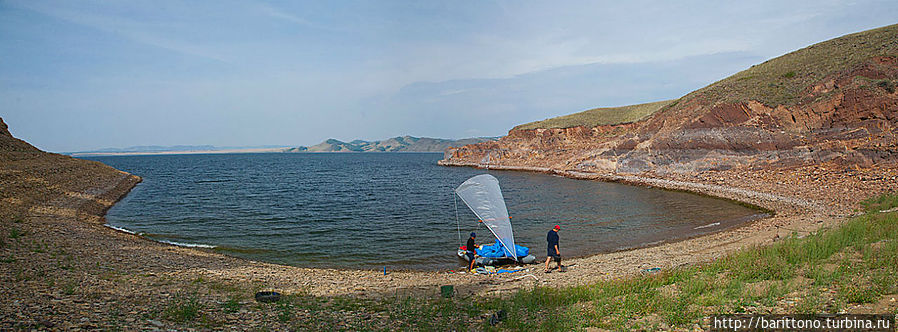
x=12, y=147
x=395, y=144
x=833, y=102
x=30, y=177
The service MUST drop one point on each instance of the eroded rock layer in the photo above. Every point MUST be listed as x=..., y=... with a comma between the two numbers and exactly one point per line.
x=829, y=111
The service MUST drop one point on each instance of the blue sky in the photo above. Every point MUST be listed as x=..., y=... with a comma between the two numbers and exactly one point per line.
x=80, y=75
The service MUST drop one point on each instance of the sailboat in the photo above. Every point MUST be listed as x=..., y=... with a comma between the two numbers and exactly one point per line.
x=483, y=196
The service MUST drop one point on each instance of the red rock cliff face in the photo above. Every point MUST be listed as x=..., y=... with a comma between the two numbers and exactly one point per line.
x=850, y=118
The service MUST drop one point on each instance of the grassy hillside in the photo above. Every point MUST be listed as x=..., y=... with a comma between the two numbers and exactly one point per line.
x=781, y=81
x=599, y=116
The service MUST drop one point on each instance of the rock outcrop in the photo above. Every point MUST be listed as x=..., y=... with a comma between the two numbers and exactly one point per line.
x=13, y=148
x=833, y=102
x=395, y=144
x=33, y=182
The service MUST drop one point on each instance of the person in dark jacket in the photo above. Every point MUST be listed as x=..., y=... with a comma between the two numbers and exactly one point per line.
x=471, y=249
x=552, y=249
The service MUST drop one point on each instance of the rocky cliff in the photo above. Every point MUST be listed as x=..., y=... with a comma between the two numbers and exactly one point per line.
x=832, y=102
x=395, y=144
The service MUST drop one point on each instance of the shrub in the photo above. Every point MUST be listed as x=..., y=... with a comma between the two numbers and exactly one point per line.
x=183, y=309
x=15, y=233
x=887, y=85
x=881, y=203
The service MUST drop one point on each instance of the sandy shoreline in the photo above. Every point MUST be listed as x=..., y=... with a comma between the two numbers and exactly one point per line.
x=791, y=214
x=66, y=240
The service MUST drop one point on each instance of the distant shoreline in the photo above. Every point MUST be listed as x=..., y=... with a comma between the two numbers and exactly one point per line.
x=395, y=144
x=154, y=153
x=237, y=151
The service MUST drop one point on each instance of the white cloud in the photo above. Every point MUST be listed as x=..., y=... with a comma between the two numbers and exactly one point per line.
x=281, y=14
x=293, y=67
x=130, y=29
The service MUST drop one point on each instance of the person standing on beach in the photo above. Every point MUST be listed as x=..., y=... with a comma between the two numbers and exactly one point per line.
x=471, y=248
x=553, y=251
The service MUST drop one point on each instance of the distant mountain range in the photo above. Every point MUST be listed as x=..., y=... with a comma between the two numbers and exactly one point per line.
x=177, y=149
x=395, y=144
x=159, y=148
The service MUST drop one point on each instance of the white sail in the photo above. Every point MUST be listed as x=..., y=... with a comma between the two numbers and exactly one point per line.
x=482, y=194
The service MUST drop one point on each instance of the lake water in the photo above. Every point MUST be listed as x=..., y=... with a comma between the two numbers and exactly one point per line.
x=370, y=210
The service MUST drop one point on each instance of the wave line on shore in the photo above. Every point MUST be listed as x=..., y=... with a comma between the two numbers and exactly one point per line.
x=188, y=245
x=179, y=244
x=708, y=225
x=122, y=229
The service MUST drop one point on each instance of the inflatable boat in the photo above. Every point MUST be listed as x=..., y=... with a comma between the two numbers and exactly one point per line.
x=484, y=197
x=494, y=261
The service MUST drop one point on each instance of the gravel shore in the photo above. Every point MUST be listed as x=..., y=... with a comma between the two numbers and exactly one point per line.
x=61, y=268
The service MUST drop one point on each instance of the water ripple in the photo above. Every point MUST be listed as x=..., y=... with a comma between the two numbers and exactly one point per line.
x=393, y=209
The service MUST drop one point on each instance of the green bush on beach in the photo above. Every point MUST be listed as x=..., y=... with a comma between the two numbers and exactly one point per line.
x=183, y=309
x=15, y=233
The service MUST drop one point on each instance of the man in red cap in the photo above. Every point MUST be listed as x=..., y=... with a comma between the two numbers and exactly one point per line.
x=553, y=251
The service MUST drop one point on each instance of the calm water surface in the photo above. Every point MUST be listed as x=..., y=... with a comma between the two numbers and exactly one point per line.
x=370, y=210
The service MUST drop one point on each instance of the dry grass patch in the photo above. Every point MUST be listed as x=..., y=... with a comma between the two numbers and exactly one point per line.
x=599, y=116
x=783, y=80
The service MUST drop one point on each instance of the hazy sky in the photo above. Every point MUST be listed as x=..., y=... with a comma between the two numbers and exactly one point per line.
x=79, y=75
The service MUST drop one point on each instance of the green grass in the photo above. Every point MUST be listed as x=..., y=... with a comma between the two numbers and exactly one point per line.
x=783, y=80
x=880, y=203
x=599, y=116
x=223, y=287
x=886, y=85
x=69, y=288
x=306, y=312
x=780, y=81
x=184, y=308
x=285, y=311
x=15, y=233
x=232, y=305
